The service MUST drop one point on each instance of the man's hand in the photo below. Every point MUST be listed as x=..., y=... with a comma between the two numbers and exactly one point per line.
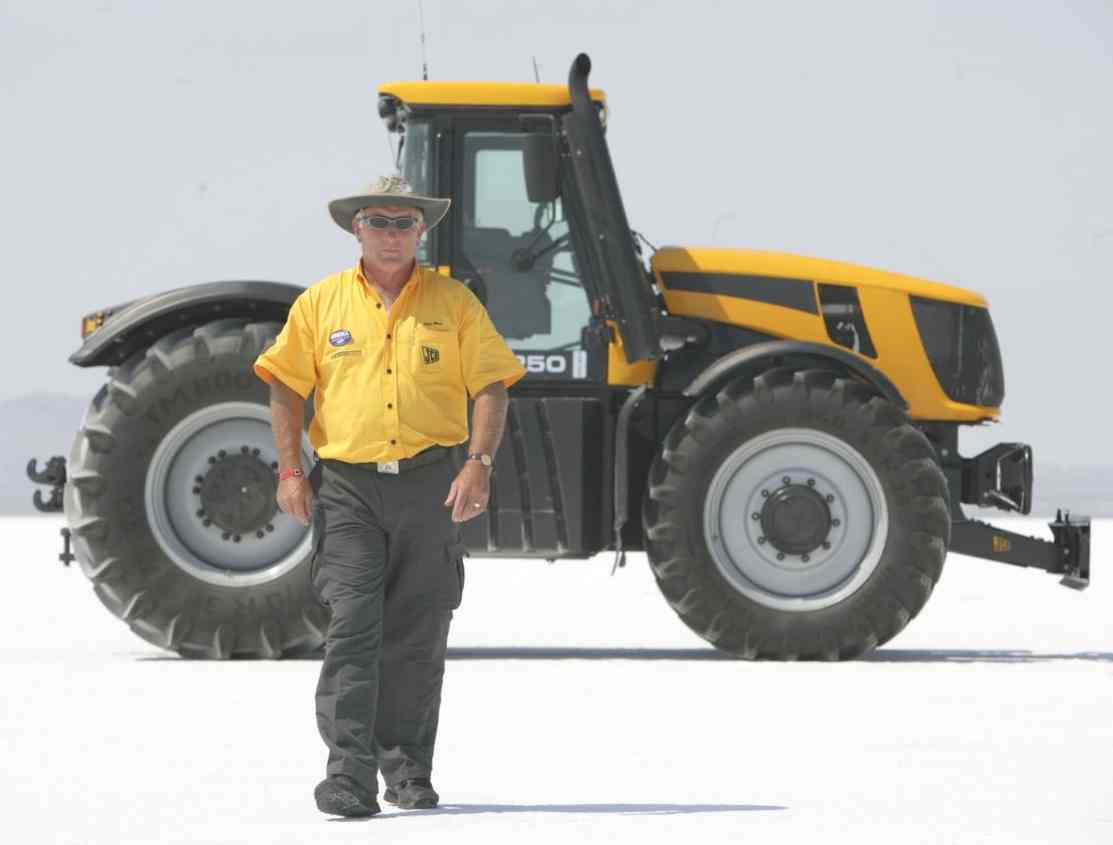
x=469, y=491
x=295, y=497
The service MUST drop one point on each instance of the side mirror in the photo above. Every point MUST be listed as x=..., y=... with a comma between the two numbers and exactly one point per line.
x=540, y=159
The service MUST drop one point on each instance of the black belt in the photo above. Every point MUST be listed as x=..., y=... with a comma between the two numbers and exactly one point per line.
x=422, y=458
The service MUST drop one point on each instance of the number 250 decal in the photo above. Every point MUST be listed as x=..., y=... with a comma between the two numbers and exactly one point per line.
x=554, y=365
x=544, y=363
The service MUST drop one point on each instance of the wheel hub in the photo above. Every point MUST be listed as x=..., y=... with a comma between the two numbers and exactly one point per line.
x=210, y=498
x=238, y=493
x=796, y=519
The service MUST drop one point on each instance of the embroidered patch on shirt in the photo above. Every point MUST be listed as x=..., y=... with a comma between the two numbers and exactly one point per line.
x=340, y=337
x=430, y=355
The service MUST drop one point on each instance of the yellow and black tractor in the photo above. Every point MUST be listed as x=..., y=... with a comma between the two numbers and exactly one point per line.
x=787, y=428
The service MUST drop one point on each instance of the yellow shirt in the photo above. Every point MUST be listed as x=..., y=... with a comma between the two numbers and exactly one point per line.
x=388, y=383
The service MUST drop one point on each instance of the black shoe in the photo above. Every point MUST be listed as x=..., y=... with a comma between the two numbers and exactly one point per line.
x=412, y=794
x=339, y=795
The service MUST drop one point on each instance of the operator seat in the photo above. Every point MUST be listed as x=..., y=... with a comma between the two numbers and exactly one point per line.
x=516, y=299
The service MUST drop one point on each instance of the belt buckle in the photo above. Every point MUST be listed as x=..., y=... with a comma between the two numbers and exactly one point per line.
x=390, y=467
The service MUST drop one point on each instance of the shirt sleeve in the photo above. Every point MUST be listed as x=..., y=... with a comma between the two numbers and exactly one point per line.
x=292, y=359
x=484, y=356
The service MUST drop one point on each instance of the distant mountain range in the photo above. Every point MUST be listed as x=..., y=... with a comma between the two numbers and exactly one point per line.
x=43, y=424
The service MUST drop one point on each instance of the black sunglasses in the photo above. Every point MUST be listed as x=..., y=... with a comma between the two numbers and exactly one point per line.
x=378, y=221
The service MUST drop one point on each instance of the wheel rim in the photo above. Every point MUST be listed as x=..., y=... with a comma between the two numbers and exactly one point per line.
x=796, y=519
x=211, y=481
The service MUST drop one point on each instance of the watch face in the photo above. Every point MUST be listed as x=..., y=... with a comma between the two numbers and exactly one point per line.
x=483, y=459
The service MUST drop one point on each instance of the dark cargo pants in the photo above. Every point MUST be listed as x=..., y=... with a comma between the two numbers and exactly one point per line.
x=389, y=566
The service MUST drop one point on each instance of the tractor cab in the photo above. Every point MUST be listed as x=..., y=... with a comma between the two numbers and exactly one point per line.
x=527, y=168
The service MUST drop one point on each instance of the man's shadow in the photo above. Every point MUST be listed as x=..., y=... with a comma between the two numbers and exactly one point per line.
x=589, y=809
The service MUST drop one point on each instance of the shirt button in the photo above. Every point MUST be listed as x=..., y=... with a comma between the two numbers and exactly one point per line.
x=388, y=372
x=392, y=442
x=378, y=305
x=389, y=405
x=388, y=337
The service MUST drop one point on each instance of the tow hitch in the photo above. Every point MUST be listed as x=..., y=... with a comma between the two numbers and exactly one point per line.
x=54, y=474
x=1001, y=477
x=1068, y=554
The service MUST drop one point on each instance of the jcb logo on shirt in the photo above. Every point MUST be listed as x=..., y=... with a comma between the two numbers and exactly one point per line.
x=430, y=355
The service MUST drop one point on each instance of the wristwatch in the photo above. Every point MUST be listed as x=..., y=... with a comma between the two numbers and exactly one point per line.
x=482, y=457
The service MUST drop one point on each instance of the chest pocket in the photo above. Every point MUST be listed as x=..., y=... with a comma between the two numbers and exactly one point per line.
x=436, y=353
x=339, y=363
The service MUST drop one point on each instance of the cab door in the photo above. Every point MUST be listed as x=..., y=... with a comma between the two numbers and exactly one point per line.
x=516, y=254
x=512, y=246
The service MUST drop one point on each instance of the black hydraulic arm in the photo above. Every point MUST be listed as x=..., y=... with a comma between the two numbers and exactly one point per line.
x=1068, y=554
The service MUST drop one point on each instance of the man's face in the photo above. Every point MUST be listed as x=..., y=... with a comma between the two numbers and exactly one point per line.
x=388, y=248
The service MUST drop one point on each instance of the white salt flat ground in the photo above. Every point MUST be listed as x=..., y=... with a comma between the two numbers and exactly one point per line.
x=578, y=708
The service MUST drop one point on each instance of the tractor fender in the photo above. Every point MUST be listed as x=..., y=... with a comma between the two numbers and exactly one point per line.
x=144, y=321
x=759, y=356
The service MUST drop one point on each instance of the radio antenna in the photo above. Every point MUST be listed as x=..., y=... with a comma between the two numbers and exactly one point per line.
x=424, y=62
x=536, y=72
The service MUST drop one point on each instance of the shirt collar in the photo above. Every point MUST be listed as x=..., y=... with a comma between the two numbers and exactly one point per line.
x=414, y=279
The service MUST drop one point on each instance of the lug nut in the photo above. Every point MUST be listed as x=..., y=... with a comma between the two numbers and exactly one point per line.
x=836, y=522
x=221, y=454
x=255, y=452
x=755, y=516
x=270, y=527
x=196, y=491
x=206, y=522
x=805, y=558
x=826, y=545
x=200, y=479
x=829, y=498
x=786, y=480
x=765, y=494
x=259, y=534
x=212, y=460
x=761, y=541
x=227, y=535
x=200, y=514
x=236, y=538
x=244, y=449
x=780, y=555
x=811, y=482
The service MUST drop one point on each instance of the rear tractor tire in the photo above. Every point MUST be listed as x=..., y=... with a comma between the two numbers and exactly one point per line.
x=170, y=499
x=796, y=515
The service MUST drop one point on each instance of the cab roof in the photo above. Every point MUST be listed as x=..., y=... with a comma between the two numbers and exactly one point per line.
x=446, y=93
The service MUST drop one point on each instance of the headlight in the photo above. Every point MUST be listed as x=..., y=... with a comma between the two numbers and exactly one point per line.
x=962, y=347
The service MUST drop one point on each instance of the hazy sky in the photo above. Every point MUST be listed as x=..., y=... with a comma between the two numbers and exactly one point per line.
x=149, y=145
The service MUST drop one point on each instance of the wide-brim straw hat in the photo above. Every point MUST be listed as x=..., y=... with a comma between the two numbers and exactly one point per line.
x=388, y=190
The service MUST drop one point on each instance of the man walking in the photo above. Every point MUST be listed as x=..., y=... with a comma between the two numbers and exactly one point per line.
x=393, y=350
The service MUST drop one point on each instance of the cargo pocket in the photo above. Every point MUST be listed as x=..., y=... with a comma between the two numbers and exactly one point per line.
x=455, y=554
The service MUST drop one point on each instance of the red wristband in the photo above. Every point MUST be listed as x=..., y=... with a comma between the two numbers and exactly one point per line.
x=291, y=472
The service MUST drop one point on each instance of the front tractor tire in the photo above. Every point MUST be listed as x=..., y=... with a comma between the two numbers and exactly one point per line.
x=796, y=515
x=170, y=500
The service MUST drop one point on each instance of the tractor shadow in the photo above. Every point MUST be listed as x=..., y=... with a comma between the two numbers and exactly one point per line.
x=884, y=655
x=709, y=655
x=900, y=655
